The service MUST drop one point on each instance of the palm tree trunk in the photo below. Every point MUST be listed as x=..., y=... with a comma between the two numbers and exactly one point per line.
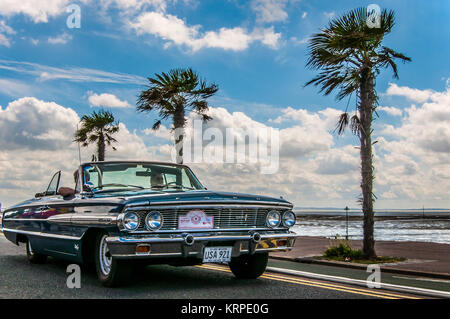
x=178, y=124
x=101, y=148
x=366, y=112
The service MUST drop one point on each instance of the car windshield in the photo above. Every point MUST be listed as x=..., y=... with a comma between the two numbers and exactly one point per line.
x=107, y=177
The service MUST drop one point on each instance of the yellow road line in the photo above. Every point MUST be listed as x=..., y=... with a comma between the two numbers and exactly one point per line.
x=327, y=284
x=349, y=288
x=317, y=284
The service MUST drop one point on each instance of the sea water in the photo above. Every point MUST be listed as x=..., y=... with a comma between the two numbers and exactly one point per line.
x=388, y=227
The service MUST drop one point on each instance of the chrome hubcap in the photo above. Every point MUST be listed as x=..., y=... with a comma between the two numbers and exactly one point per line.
x=105, y=257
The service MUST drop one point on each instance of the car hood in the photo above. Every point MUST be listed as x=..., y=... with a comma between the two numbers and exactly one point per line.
x=197, y=196
x=164, y=197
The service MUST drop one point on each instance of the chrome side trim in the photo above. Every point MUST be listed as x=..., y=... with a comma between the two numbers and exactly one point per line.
x=60, y=219
x=41, y=234
x=82, y=219
x=26, y=219
x=93, y=219
x=74, y=219
x=59, y=252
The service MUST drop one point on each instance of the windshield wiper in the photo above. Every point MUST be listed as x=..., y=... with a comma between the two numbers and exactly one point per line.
x=118, y=185
x=179, y=187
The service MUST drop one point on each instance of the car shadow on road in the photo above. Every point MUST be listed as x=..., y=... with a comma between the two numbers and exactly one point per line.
x=158, y=281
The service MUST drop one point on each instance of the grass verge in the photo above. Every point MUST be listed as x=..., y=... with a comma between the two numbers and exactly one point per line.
x=341, y=250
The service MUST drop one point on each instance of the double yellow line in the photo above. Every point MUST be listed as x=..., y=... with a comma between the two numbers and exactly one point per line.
x=298, y=281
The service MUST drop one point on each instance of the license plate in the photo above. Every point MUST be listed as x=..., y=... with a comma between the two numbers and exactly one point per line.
x=217, y=254
x=195, y=219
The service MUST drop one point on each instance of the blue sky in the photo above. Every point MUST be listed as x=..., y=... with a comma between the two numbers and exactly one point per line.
x=258, y=62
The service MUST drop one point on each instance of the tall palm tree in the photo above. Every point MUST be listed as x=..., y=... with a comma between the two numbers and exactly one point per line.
x=99, y=128
x=349, y=55
x=173, y=94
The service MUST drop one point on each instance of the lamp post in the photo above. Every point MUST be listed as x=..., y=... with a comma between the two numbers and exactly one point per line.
x=346, y=218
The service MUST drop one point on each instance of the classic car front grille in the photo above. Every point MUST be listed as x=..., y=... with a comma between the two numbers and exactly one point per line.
x=223, y=217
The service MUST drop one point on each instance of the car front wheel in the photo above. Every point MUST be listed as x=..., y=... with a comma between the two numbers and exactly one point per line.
x=249, y=266
x=33, y=257
x=110, y=271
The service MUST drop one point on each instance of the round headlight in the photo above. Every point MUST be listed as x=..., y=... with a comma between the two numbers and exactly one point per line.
x=273, y=218
x=288, y=219
x=130, y=221
x=153, y=220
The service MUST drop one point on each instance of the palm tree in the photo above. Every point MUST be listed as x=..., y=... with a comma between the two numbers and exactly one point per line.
x=349, y=55
x=97, y=128
x=174, y=93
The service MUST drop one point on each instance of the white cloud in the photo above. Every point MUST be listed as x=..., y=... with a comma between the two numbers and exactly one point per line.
x=106, y=99
x=73, y=74
x=270, y=10
x=60, y=39
x=390, y=110
x=5, y=31
x=163, y=132
x=304, y=14
x=14, y=88
x=310, y=134
x=428, y=125
x=4, y=40
x=411, y=94
x=38, y=11
x=36, y=141
x=174, y=30
x=29, y=123
x=34, y=41
x=132, y=6
x=330, y=15
x=297, y=41
x=412, y=163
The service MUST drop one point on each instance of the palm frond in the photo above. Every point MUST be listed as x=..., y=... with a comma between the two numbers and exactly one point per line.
x=96, y=127
x=342, y=123
x=179, y=90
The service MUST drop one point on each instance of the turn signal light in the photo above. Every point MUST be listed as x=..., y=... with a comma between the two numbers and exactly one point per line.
x=282, y=242
x=143, y=249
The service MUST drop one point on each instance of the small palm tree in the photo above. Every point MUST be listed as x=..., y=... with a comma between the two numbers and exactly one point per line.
x=349, y=55
x=99, y=127
x=172, y=95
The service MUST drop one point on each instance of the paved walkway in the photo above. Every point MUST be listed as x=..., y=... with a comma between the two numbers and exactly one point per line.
x=421, y=256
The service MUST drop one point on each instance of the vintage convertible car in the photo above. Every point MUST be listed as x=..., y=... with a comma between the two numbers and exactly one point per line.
x=122, y=214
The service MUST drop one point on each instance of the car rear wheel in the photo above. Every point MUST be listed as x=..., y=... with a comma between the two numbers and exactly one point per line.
x=33, y=257
x=111, y=272
x=249, y=266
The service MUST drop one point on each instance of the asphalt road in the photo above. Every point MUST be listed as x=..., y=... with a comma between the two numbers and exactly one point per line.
x=20, y=279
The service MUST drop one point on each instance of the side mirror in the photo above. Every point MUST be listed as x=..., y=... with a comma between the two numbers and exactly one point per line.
x=88, y=187
x=66, y=192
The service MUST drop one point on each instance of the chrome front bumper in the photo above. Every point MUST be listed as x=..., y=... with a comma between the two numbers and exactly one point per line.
x=192, y=245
